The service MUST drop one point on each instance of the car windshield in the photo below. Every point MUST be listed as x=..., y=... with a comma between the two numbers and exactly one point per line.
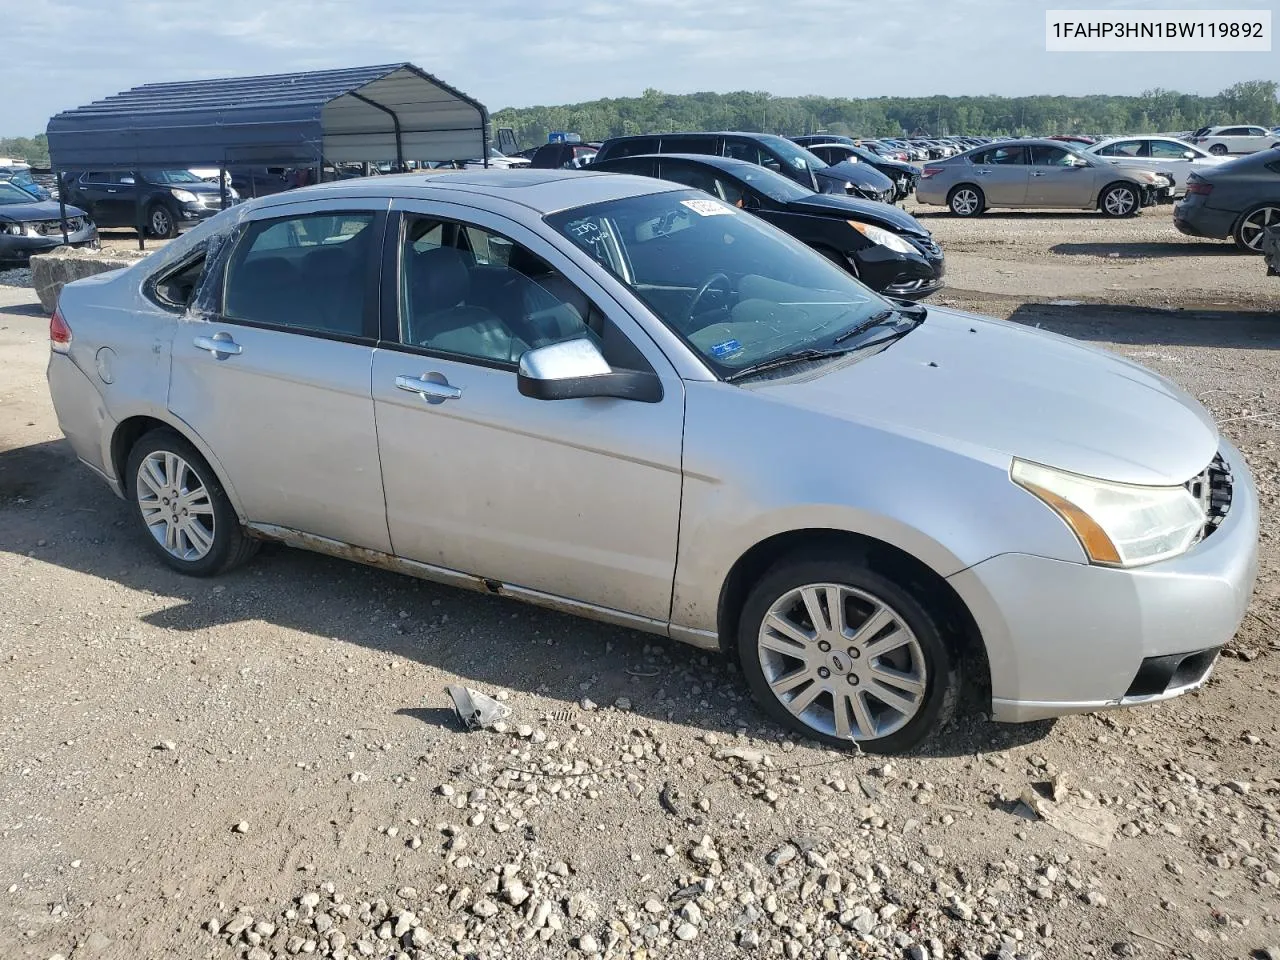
x=792, y=154
x=171, y=176
x=737, y=290
x=771, y=183
x=11, y=193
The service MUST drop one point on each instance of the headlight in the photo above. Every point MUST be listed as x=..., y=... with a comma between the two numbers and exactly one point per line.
x=883, y=237
x=183, y=196
x=1118, y=524
x=13, y=229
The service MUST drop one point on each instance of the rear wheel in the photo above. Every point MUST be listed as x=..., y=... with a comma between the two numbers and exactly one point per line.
x=842, y=654
x=1119, y=200
x=185, y=514
x=1218, y=150
x=967, y=200
x=1249, y=231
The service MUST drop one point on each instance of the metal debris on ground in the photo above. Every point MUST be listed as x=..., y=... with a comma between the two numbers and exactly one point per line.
x=476, y=710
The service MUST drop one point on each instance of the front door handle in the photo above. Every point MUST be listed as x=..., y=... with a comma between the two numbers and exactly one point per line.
x=221, y=345
x=1036, y=174
x=431, y=390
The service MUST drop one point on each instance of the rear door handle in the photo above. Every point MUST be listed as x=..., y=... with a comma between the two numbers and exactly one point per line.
x=221, y=345
x=1034, y=174
x=432, y=391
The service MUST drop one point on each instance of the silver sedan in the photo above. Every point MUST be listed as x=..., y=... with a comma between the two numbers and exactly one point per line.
x=622, y=398
x=1037, y=173
x=1159, y=154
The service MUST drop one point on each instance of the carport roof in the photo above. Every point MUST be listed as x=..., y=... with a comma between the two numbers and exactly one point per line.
x=390, y=112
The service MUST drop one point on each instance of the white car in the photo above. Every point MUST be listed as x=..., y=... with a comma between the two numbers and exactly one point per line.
x=497, y=160
x=1161, y=154
x=1221, y=141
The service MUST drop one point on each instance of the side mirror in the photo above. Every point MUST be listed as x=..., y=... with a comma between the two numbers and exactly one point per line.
x=1189, y=154
x=575, y=369
x=750, y=201
x=127, y=180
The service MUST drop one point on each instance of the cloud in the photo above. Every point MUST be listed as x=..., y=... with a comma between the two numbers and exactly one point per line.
x=513, y=52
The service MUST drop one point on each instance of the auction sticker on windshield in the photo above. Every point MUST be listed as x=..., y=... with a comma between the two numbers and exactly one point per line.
x=708, y=208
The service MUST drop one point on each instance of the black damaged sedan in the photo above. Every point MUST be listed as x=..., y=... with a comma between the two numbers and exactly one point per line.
x=28, y=225
x=883, y=246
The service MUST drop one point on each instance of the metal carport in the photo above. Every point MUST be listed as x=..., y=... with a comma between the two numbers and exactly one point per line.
x=395, y=112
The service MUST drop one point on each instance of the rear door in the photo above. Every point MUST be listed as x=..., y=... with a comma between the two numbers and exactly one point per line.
x=1003, y=174
x=276, y=378
x=106, y=199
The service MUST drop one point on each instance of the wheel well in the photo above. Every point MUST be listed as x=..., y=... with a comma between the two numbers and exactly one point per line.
x=129, y=432
x=1117, y=183
x=952, y=192
x=938, y=596
x=835, y=256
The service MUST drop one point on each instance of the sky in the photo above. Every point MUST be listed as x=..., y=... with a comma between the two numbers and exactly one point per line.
x=525, y=52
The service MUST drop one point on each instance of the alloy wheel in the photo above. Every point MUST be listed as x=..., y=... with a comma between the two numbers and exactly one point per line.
x=1255, y=225
x=842, y=662
x=1119, y=201
x=175, y=505
x=161, y=222
x=965, y=202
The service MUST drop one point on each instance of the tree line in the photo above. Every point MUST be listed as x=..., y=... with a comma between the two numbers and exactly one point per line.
x=1153, y=111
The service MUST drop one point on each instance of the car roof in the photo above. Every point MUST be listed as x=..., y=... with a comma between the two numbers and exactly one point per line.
x=728, y=164
x=542, y=191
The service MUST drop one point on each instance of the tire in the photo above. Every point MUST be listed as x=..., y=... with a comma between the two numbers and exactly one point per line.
x=967, y=200
x=923, y=660
x=1252, y=225
x=1119, y=200
x=203, y=543
x=161, y=222
x=1218, y=150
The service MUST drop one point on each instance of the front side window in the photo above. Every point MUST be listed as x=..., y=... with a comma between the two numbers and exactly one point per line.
x=738, y=291
x=479, y=295
x=306, y=273
x=1051, y=157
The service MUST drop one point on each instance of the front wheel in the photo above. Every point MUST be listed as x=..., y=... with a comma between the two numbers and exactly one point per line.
x=843, y=654
x=184, y=512
x=967, y=201
x=1119, y=200
x=161, y=222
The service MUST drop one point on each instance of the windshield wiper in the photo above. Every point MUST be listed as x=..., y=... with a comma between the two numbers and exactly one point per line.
x=915, y=312
x=785, y=360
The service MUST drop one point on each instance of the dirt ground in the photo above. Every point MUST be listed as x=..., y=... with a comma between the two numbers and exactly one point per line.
x=264, y=765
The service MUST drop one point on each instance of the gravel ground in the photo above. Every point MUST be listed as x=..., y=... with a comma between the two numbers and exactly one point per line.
x=265, y=765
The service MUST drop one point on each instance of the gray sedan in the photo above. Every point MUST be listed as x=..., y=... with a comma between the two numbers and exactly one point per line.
x=1037, y=173
x=622, y=398
x=1240, y=200
x=28, y=225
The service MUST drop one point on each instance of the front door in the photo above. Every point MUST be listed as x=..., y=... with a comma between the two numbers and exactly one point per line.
x=573, y=498
x=107, y=199
x=276, y=379
x=1057, y=179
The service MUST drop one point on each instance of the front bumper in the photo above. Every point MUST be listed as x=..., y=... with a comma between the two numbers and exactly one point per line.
x=20, y=249
x=1073, y=638
x=905, y=276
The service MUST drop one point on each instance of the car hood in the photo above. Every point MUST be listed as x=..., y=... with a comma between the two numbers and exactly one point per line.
x=862, y=174
x=846, y=207
x=36, y=210
x=994, y=389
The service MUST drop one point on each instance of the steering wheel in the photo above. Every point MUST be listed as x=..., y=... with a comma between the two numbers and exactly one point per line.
x=707, y=285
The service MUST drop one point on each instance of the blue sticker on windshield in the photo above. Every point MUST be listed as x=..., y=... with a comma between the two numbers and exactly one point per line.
x=726, y=349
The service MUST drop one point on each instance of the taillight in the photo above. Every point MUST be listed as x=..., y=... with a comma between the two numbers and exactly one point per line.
x=1200, y=187
x=59, y=333
x=928, y=172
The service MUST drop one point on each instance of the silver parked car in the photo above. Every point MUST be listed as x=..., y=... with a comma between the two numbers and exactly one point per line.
x=1037, y=173
x=1159, y=154
x=623, y=398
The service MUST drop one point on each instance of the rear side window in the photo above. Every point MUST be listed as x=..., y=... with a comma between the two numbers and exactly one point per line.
x=306, y=273
x=1001, y=155
x=632, y=147
x=1235, y=132
x=689, y=145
